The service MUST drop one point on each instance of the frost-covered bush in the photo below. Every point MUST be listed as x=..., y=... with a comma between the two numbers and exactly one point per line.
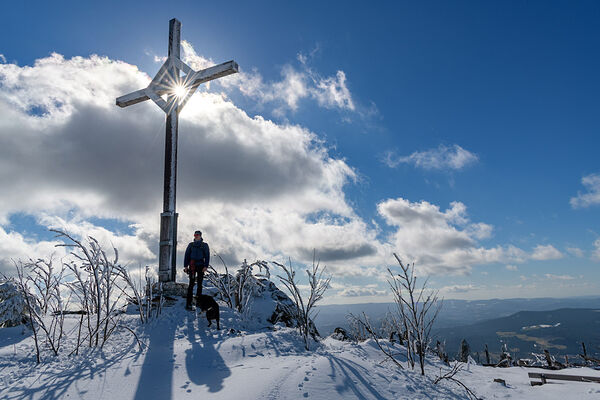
x=87, y=280
x=238, y=291
x=304, y=307
x=13, y=308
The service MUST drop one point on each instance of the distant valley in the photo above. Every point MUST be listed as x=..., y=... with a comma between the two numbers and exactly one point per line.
x=558, y=331
x=525, y=325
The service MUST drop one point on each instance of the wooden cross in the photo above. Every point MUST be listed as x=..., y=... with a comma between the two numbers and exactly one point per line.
x=171, y=90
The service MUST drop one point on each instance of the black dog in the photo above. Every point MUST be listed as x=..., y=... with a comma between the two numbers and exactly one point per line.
x=208, y=304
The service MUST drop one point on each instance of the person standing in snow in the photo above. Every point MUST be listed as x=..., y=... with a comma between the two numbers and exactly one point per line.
x=195, y=264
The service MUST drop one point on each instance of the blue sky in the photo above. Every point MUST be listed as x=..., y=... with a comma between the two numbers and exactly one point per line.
x=462, y=135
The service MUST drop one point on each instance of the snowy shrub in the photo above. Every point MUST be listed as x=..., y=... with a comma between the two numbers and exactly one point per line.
x=416, y=310
x=143, y=297
x=13, y=309
x=40, y=285
x=304, y=308
x=247, y=285
x=224, y=283
x=239, y=290
x=97, y=284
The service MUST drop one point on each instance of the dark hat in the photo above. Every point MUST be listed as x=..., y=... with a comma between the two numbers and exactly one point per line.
x=198, y=233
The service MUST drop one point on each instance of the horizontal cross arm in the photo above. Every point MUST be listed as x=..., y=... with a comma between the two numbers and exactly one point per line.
x=218, y=71
x=132, y=98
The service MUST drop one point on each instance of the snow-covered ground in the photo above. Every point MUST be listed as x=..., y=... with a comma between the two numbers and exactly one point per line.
x=183, y=358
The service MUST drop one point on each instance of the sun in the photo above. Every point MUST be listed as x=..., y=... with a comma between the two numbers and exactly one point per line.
x=180, y=91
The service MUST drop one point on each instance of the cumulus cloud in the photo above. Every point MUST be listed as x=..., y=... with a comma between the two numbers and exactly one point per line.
x=256, y=188
x=295, y=85
x=129, y=246
x=2, y=59
x=546, y=252
x=442, y=158
x=441, y=241
x=69, y=154
x=512, y=268
x=592, y=197
x=14, y=246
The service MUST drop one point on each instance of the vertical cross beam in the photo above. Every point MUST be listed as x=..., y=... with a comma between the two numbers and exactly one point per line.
x=166, y=81
x=168, y=224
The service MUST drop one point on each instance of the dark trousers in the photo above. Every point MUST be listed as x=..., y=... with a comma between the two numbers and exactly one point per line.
x=196, y=277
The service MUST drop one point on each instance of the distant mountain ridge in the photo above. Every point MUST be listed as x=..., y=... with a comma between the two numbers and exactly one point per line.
x=558, y=331
x=454, y=312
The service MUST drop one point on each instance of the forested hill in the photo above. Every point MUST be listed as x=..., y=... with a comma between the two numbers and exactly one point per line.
x=559, y=331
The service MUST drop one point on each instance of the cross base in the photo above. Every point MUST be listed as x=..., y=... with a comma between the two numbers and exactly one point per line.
x=167, y=247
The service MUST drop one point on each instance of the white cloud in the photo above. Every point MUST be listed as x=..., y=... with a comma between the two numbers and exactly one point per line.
x=13, y=246
x=546, y=252
x=332, y=92
x=441, y=158
x=257, y=189
x=441, y=241
x=559, y=277
x=2, y=59
x=459, y=288
x=512, y=268
x=130, y=247
x=592, y=183
x=77, y=156
x=295, y=85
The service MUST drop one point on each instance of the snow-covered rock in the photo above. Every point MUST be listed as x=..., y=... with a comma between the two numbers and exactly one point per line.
x=278, y=306
x=13, y=308
x=340, y=334
x=269, y=305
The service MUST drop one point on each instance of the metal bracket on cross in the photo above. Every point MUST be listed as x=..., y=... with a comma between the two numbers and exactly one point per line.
x=166, y=83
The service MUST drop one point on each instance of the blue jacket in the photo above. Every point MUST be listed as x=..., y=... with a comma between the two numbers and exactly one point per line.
x=199, y=252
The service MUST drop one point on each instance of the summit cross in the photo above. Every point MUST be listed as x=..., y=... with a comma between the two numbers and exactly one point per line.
x=171, y=90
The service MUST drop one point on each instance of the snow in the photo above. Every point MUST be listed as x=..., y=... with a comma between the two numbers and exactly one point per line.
x=532, y=327
x=247, y=359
